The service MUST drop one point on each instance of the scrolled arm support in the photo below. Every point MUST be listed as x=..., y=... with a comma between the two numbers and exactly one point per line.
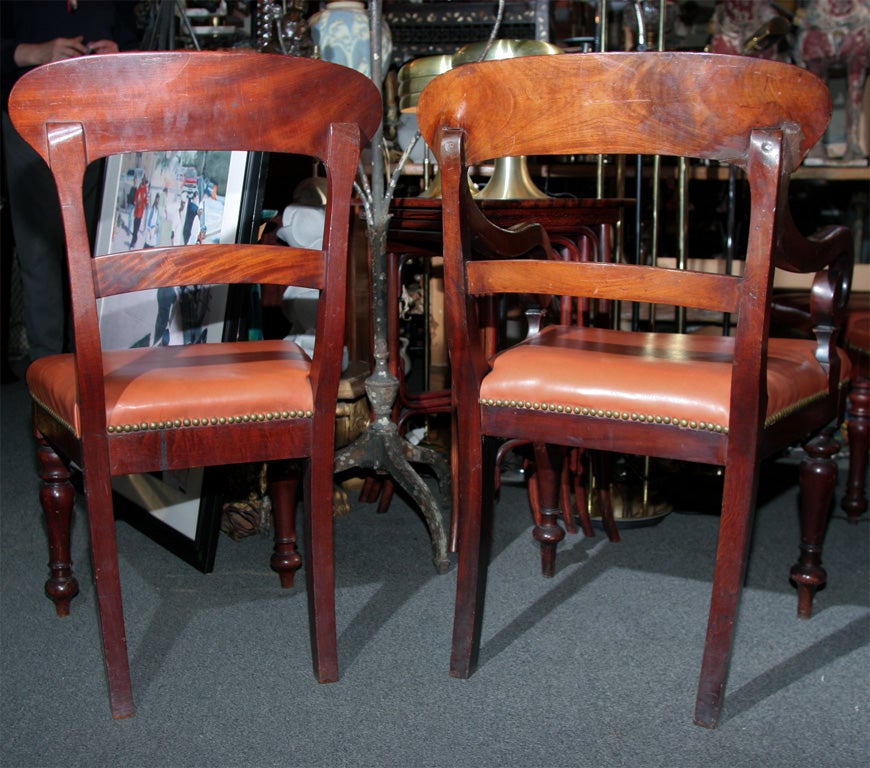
x=830, y=254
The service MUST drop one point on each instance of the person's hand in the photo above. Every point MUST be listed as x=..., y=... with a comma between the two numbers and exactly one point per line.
x=34, y=54
x=103, y=46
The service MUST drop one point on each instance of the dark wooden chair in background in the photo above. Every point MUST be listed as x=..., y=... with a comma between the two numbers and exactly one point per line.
x=792, y=316
x=856, y=339
x=726, y=401
x=165, y=408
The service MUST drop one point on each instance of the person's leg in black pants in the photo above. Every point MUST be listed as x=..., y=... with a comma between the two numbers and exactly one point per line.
x=7, y=254
x=40, y=243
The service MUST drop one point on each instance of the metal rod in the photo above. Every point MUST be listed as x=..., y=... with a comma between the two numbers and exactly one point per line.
x=656, y=178
x=730, y=245
x=638, y=231
x=601, y=45
x=682, y=233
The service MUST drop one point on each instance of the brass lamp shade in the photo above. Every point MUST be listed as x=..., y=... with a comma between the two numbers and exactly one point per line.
x=416, y=75
x=427, y=66
x=503, y=49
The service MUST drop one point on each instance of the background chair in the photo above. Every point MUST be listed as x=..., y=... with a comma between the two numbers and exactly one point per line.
x=727, y=401
x=792, y=317
x=857, y=343
x=165, y=408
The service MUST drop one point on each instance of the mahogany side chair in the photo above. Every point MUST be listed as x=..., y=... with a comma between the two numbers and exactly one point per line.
x=726, y=401
x=169, y=407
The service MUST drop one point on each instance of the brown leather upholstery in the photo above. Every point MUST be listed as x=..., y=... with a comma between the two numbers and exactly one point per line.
x=732, y=402
x=184, y=386
x=677, y=379
x=165, y=407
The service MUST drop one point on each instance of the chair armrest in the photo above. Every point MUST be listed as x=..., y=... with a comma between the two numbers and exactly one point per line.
x=811, y=253
x=494, y=242
x=830, y=254
x=490, y=241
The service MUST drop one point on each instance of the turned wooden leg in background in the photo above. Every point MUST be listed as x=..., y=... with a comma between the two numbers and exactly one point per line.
x=818, y=476
x=283, y=487
x=548, y=532
x=602, y=464
x=855, y=501
x=57, y=496
x=577, y=458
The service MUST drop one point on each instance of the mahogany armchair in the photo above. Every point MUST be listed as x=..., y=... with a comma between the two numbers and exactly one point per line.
x=170, y=407
x=726, y=401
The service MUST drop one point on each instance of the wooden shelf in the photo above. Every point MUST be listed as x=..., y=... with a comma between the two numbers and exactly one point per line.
x=696, y=171
x=833, y=172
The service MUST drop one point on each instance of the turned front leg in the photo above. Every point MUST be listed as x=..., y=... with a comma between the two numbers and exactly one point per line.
x=818, y=476
x=57, y=496
x=283, y=487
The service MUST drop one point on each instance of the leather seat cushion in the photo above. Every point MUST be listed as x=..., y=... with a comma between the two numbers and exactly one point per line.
x=147, y=387
x=682, y=378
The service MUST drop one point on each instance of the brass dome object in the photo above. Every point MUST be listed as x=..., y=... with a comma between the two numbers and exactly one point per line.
x=408, y=103
x=503, y=49
x=426, y=66
x=414, y=85
x=414, y=76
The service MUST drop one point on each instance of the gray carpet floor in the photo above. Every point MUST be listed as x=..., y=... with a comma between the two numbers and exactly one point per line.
x=596, y=667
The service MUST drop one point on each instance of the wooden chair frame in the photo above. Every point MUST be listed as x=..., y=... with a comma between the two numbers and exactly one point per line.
x=762, y=117
x=200, y=405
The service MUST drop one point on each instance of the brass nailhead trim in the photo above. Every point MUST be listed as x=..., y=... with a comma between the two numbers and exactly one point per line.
x=800, y=404
x=601, y=413
x=704, y=426
x=209, y=421
x=63, y=422
x=187, y=422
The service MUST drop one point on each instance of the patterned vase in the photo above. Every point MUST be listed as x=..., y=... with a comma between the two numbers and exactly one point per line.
x=342, y=33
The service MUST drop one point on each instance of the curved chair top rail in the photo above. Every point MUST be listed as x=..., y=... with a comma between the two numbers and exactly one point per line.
x=666, y=103
x=253, y=95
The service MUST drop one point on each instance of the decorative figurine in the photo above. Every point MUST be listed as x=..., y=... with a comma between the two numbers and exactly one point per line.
x=837, y=33
x=749, y=28
x=284, y=30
